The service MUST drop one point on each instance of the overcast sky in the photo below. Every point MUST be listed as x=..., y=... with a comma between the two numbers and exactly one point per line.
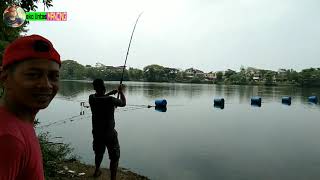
x=209, y=35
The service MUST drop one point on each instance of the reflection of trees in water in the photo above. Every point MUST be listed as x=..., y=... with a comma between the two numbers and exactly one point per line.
x=73, y=88
x=164, y=90
x=244, y=93
x=268, y=93
x=306, y=92
x=275, y=93
x=297, y=93
x=192, y=90
x=230, y=91
x=154, y=90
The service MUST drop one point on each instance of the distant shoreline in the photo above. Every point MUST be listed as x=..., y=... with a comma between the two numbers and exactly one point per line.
x=226, y=84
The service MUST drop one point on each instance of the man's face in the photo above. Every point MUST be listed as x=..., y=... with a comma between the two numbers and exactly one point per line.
x=33, y=83
x=12, y=12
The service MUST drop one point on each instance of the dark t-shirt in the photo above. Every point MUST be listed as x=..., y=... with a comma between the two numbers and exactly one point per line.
x=102, y=108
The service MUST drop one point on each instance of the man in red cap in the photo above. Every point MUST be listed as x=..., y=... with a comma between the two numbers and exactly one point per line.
x=30, y=77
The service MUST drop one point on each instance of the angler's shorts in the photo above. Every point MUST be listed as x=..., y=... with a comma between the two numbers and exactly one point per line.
x=111, y=142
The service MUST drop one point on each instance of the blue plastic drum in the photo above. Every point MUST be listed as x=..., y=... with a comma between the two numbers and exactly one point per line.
x=313, y=99
x=161, y=103
x=256, y=101
x=286, y=100
x=218, y=103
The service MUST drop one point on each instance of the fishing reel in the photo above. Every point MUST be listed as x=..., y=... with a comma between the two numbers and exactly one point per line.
x=83, y=106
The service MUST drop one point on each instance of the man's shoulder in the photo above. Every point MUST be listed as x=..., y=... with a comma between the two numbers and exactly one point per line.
x=93, y=96
x=11, y=131
x=10, y=126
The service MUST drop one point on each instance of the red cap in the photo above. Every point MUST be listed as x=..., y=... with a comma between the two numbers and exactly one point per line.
x=29, y=47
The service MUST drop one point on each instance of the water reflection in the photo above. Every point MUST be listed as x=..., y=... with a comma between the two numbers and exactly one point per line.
x=197, y=140
x=71, y=89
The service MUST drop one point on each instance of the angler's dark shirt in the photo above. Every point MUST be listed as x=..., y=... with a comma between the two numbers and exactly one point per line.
x=102, y=108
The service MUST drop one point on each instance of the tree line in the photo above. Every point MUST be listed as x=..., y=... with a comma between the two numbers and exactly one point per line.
x=72, y=70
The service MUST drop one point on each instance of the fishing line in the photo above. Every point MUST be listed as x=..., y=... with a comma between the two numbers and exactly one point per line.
x=60, y=121
x=82, y=116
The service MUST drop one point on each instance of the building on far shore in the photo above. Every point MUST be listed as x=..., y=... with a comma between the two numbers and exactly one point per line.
x=210, y=76
x=192, y=72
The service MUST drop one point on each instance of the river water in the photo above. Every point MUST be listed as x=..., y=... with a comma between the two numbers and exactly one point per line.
x=194, y=140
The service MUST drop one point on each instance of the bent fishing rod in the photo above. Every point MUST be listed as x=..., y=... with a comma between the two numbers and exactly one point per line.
x=125, y=62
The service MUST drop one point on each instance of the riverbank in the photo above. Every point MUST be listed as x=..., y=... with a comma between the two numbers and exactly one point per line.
x=60, y=163
x=77, y=170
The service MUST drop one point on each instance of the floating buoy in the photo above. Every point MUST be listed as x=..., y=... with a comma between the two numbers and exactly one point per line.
x=161, y=103
x=256, y=101
x=218, y=103
x=160, y=108
x=286, y=100
x=313, y=99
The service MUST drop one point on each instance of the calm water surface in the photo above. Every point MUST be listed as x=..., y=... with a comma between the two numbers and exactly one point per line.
x=194, y=140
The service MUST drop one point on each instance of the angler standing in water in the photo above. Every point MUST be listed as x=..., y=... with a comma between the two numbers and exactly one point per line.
x=103, y=125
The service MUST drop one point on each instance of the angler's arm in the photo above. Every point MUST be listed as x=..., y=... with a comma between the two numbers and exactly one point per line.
x=122, y=99
x=113, y=92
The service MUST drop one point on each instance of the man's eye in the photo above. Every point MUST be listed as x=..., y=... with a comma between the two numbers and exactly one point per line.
x=33, y=75
x=54, y=77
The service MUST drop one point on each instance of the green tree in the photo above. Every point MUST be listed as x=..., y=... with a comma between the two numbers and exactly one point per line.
x=181, y=76
x=219, y=76
x=195, y=79
x=135, y=74
x=229, y=73
x=293, y=76
x=309, y=77
x=72, y=70
x=155, y=73
x=268, y=78
x=171, y=73
x=237, y=78
x=8, y=34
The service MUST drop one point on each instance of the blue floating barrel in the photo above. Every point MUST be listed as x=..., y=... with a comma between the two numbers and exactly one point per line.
x=161, y=103
x=286, y=100
x=313, y=99
x=160, y=108
x=256, y=101
x=218, y=103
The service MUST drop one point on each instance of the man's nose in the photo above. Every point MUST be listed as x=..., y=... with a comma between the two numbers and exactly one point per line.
x=45, y=82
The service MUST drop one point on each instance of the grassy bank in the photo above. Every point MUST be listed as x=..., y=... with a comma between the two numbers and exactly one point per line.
x=78, y=170
x=61, y=163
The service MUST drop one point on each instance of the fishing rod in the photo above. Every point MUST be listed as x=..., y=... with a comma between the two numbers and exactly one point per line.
x=125, y=62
